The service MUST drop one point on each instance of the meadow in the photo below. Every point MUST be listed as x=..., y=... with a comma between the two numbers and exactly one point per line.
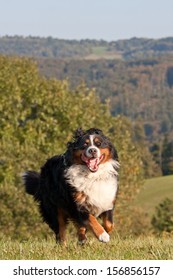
x=129, y=248
x=142, y=248
x=153, y=192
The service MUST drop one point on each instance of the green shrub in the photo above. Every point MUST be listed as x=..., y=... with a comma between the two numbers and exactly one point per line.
x=162, y=220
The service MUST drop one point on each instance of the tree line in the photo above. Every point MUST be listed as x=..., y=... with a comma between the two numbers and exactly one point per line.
x=58, y=48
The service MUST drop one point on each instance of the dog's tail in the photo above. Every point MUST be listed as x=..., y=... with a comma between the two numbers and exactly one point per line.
x=31, y=181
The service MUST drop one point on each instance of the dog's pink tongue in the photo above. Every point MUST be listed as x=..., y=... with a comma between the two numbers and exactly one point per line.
x=93, y=164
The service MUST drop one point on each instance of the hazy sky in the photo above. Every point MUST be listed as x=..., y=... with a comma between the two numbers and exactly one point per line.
x=80, y=19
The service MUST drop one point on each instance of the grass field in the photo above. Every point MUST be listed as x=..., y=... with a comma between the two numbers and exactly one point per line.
x=123, y=249
x=154, y=191
x=103, y=53
x=130, y=248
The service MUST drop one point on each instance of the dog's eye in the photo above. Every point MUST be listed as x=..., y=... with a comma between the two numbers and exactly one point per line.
x=98, y=144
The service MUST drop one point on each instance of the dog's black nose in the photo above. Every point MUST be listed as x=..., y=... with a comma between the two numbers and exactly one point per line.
x=92, y=151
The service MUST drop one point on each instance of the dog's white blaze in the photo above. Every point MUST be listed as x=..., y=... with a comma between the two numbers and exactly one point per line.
x=100, y=187
x=92, y=140
x=91, y=146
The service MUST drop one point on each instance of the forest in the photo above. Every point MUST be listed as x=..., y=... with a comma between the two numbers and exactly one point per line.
x=141, y=90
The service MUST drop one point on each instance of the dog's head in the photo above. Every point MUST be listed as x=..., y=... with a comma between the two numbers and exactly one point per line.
x=91, y=148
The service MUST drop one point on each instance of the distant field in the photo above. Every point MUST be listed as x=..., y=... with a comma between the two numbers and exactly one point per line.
x=103, y=53
x=153, y=192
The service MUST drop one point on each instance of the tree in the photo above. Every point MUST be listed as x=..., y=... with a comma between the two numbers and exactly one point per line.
x=167, y=156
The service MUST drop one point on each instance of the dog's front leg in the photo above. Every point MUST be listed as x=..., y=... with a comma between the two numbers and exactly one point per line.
x=82, y=235
x=108, y=223
x=97, y=229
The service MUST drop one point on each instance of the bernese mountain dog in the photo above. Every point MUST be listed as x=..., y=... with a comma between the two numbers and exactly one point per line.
x=79, y=185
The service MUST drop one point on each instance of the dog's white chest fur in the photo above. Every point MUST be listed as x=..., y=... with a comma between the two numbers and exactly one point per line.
x=99, y=188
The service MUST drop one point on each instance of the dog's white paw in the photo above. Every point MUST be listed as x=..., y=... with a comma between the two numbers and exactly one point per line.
x=104, y=237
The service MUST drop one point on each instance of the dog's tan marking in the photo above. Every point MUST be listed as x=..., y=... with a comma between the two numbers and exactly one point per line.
x=80, y=197
x=107, y=218
x=97, y=229
x=107, y=155
x=95, y=226
x=81, y=235
x=108, y=226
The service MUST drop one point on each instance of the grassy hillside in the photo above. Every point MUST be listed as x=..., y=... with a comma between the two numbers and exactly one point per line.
x=153, y=192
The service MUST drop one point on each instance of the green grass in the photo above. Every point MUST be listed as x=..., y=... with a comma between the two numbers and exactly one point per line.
x=99, y=50
x=130, y=248
x=103, y=53
x=123, y=249
x=153, y=192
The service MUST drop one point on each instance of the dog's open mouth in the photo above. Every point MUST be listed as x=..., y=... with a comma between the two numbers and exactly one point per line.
x=92, y=163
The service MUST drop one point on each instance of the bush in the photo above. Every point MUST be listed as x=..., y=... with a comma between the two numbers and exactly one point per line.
x=162, y=220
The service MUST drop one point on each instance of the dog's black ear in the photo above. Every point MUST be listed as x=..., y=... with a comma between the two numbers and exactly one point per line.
x=78, y=133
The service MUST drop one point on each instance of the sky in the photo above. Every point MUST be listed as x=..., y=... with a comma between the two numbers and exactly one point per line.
x=108, y=20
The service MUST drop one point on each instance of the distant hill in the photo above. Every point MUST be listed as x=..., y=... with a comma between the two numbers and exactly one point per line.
x=140, y=89
x=154, y=191
x=85, y=49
